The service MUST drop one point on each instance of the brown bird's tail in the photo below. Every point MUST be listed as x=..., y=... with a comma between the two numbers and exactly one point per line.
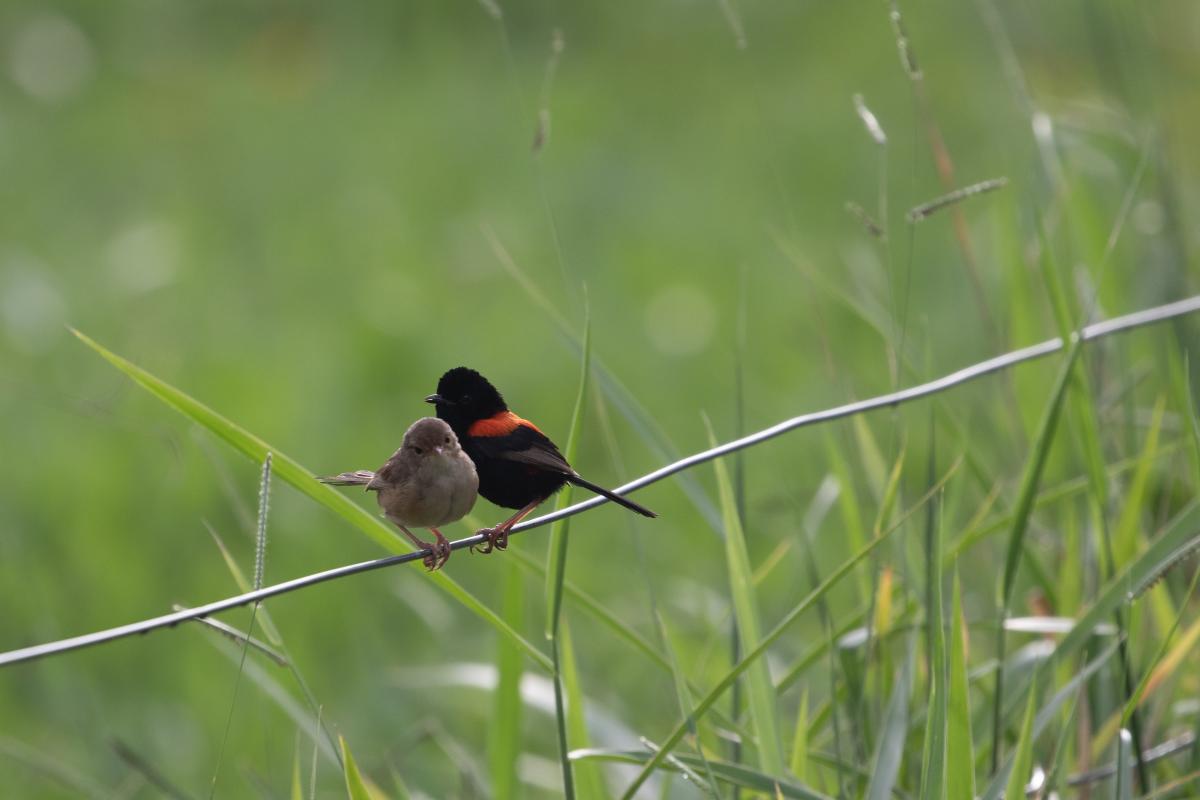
x=616, y=498
x=359, y=478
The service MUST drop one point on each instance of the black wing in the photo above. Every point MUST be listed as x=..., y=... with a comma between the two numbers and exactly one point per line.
x=524, y=446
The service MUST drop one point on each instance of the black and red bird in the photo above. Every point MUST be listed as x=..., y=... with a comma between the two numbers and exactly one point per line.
x=519, y=467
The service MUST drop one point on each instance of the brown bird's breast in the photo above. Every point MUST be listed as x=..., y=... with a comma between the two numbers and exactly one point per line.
x=441, y=491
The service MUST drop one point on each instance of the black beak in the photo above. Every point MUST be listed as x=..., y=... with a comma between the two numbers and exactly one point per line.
x=437, y=399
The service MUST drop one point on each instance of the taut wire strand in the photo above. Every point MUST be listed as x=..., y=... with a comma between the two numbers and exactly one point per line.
x=1098, y=330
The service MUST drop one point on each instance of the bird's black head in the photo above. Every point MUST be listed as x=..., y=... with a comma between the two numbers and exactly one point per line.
x=464, y=397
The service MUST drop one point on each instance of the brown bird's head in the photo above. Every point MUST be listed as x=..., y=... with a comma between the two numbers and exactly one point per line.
x=430, y=436
x=464, y=397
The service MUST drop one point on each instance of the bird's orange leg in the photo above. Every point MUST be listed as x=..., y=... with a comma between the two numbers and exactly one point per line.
x=497, y=538
x=439, y=549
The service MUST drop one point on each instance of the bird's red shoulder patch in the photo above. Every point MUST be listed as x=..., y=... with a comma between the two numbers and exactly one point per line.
x=501, y=424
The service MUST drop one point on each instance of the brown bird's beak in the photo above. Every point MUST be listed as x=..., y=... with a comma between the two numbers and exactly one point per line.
x=437, y=398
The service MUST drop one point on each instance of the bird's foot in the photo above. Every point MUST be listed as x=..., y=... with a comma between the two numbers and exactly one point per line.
x=493, y=539
x=439, y=551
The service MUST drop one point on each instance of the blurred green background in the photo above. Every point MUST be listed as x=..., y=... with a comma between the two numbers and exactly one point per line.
x=299, y=214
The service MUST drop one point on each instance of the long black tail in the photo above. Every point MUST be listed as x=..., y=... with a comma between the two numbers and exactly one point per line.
x=358, y=478
x=616, y=498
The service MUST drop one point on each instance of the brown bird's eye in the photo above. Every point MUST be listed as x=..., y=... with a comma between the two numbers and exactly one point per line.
x=446, y=440
x=417, y=450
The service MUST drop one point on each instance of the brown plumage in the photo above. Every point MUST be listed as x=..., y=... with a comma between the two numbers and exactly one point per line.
x=427, y=483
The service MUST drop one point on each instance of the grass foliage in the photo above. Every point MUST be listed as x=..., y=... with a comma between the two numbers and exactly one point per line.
x=285, y=224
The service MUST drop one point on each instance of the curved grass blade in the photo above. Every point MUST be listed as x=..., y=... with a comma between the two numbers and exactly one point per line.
x=556, y=567
x=1181, y=534
x=1030, y=479
x=933, y=772
x=588, y=779
x=799, y=761
x=960, y=752
x=889, y=750
x=297, y=789
x=263, y=617
x=1023, y=762
x=504, y=730
x=1045, y=714
x=1125, y=537
x=684, y=696
x=745, y=606
x=356, y=786
x=1123, y=790
x=1160, y=666
x=291, y=471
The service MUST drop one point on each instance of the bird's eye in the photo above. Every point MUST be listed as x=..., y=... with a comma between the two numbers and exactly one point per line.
x=446, y=440
x=417, y=450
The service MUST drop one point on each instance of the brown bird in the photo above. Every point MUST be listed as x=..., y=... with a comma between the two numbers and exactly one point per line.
x=427, y=483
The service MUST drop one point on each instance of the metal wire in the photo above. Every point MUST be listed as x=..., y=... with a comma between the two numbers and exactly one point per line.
x=1096, y=331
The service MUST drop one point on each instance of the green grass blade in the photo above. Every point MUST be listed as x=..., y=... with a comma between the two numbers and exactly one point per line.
x=727, y=772
x=504, y=734
x=1180, y=536
x=891, y=491
x=933, y=773
x=1032, y=474
x=1052, y=278
x=960, y=752
x=1046, y=714
x=402, y=790
x=291, y=471
x=356, y=787
x=848, y=505
x=1125, y=537
x=683, y=694
x=264, y=617
x=870, y=455
x=1151, y=668
x=799, y=760
x=557, y=552
x=889, y=749
x=297, y=791
x=556, y=567
x=588, y=780
x=1058, y=767
x=1193, y=420
x=745, y=605
x=780, y=628
x=1026, y=495
x=1018, y=775
x=818, y=650
x=1123, y=785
